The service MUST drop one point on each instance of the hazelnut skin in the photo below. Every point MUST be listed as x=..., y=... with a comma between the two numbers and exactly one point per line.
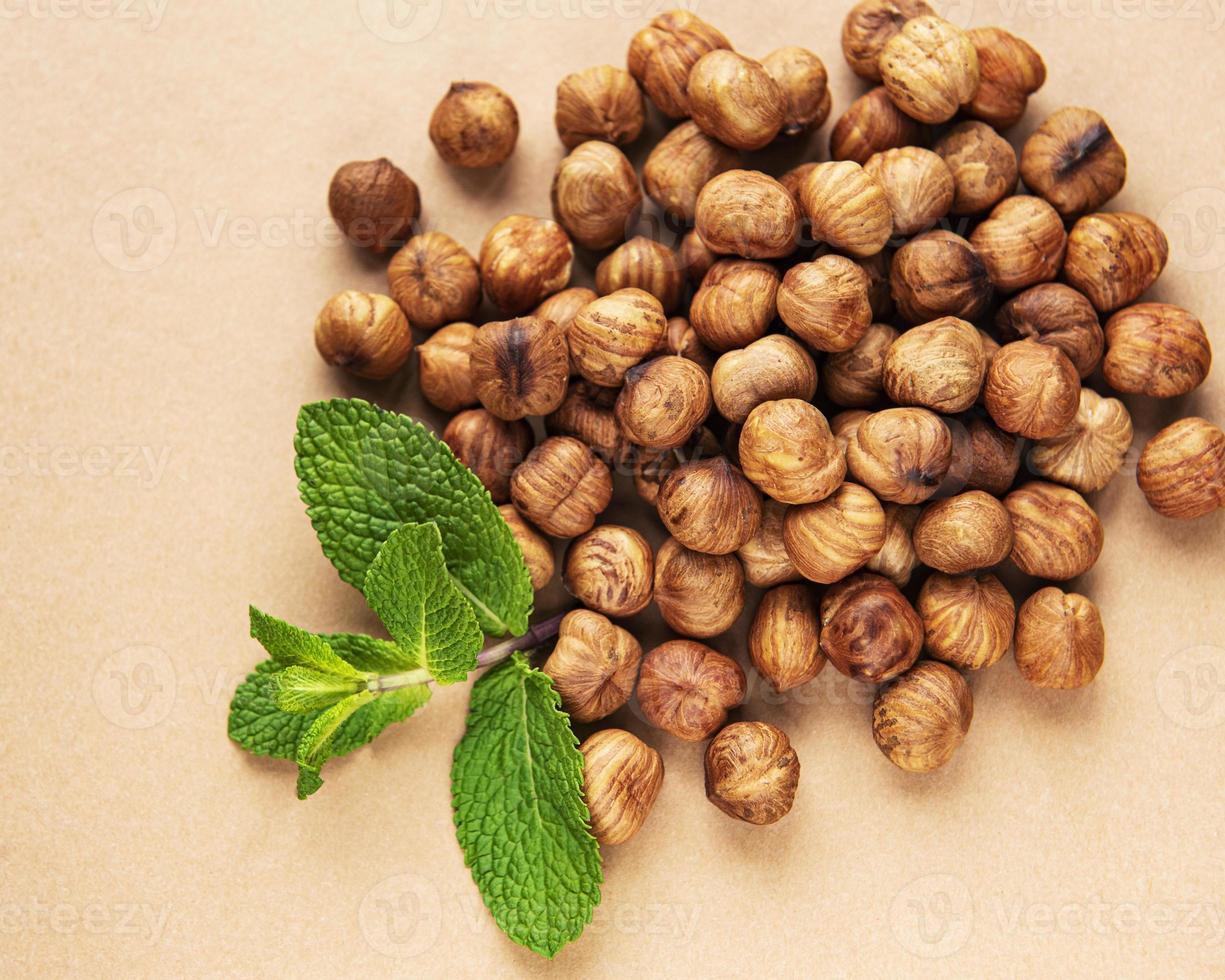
x=920, y=719
x=364, y=333
x=1060, y=642
x=1113, y=258
x=784, y=637
x=643, y=263
x=747, y=213
x=600, y=103
x=1010, y=71
x=1055, y=533
x=963, y=533
x=872, y=123
x=869, y=26
x=596, y=194
x=489, y=446
x=446, y=381
x=983, y=165
x=663, y=402
x=1074, y=162
x=826, y=303
x=1058, y=315
x=896, y=559
x=735, y=305
x=869, y=632
x=918, y=185
x=587, y=414
x=652, y=466
x=901, y=454
x=847, y=208
x=519, y=367
x=939, y=365
x=1021, y=242
x=764, y=556
x=844, y=425
x=662, y=55
x=995, y=457
x=1182, y=469
x=801, y=77
x=434, y=280
x=1156, y=349
x=855, y=378
x=708, y=506
x=561, y=487
x=610, y=569
x=735, y=100
x=877, y=268
x=683, y=341
x=770, y=368
x=374, y=203
x=1032, y=389
x=834, y=537
x=686, y=688
x=930, y=69
x=562, y=307
x=696, y=258
x=594, y=665
x=613, y=333
x=967, y=619
x=939, y=274
x=789, y=452
x=697, y=595
x=1087, y=454
x=525, y=260
x=537, y=551
x=752, y=772
x=681, y=164
x=622, y=776
x=475, y=125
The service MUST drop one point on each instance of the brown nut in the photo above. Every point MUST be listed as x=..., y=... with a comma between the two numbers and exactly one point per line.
x=967, y=619
x=735, y=304
x=593, y=665
x=869, y=27
x=1113, y=258
x=1182, y=469
x=869, y=632
x=1156, y=349
x=683, y=341
x=613, y=333
x=696, y=258
x=434, y=280
x=770, y=368
x=364, y=333
x=747, y=213
x=826, y=303
x=847, y=208
x=983, y=165
x=374, y=203
x=784, y=637
x=901, y=454
x=643, y=263
x=587, y=414
x=1055, y=533
x=611, y=570
x=686, y=688
x=562, y=307
x=595, y=194
x=844, y=425
x=475, y=125
x=489, y=446
x=789, y=452
x=939, y=274
x=804, y=83
x=561, y=487
x=964, y=533
x=662, y=55
x=1010, y=71
x=1058, y=315
x=600, y=103
x=918, y=185
x=1087, y=454
x=734, y=99
x=920, y=719
x=896, y=559
x=709, y=506
x=1060, y=641
x=764, y=556
x=752, y=772
x=872, y=123
x=621, y=779
x=855, y=378
x=525, y=260
x=1074, y=162
x=995, y=457
x=652, y=466
x=877, y=268
x=446, y=381
x=697, y=595
x=681, y=164
x=930, y=69
x=537, y=551
x=834, y=537
x=939, y=365
x=1021, y=242
x=1032, y=389
x=519, y=367
x=663, y=402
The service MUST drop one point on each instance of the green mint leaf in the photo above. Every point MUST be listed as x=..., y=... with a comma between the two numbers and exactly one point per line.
x=302, y=689
x=363, y=472
x=290, y=646
x=516, y=785
x=371, y=655
x=408, y=586
x=314, y=747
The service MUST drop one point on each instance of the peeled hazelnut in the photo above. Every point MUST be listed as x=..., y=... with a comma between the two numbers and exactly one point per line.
x=804, y=83
x=770, y=368
x=901, y=454
x=683, y=341
x=918, y=185
x=696, y=258
x=663, y=402
x=374, y=203
x=1056, y=535
x=1058, y=315
x=1113, y=258
x=930, y=69
x=939, y=274
x=364, y=333
x=747, y=213
x=1021, y=242
x=697, y=595
x=561, y=487
x=963, y=533
x=834, y=537
x=643, y=263
x=621, y=779
x=587, y=414
x=995, y=457
x=752, y=772
x=446, y=381
x=681, y=164
x=613, y=333
x=562, y=307
x=764, y=555
x=983, y=165
x=784, y=637
x=475, y=125
x=537, y=551
x=489, y=446
x=610, y=569
x=708, y=506
x=877, y=268
x=920, y=719
x=869, y=631
x=686, y=688
x=1010, y=71
x=789, y=452
x=967, y=619
x=593, y=665
x=1182, y=469
x=596, y=194
x=870, y=124
x=1087, y=454
x=896, y=559
x=1060, y=641
x=735, y=305
x=1032, y=389
x=662, y=55
x=734, y=99
x=434, y=280
x=519, y=367
x=855, y=378
x=524, y=260
x=826, y=302
x=869, y=27
x=844, y=425
x=600, y=103
x=939, y=365
x=1156, y=349
x=847, y=208
x=1074, y=162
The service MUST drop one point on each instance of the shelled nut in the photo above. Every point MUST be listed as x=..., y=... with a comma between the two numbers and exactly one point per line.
x=622, y=776
x=1113, y=258
x=939, y=274
x=901, y=454
x=1032, y=389
x=519, y=367
x=1010, y=71
x=374, y=203
x=920, y=719
x=610, y=570
x=747, y=213
x=855, y=378
x=442, y=368
x=663, y=402
x=964, y=533
x=752, y=772
x=983, y=165
x=804, y=83
x=1087, y=454
x=869, y=26
x=764, y=556
x=1182, y=469
x=595, y=194
x=490, y=447
x=826, y=303
x=1056, y=535
x=475, y=125
x=523, y=261
x=872, y=123
x=662, y=54
x=896, y=559
x=434, y=280
x=789, y=452
x=918, y=184
x=735, y=304
x=834, y=537
x=865, y=606
x=1055, y=314
x=613, y=333
x=537, y=551
x=1156, y=349
x=1060, y=642
x=594, y=665
x=364, y=333
x=708, y=506
x=686, y=688
x=561, y=487
x=939, y=365
x=599, y=103
x=930, y=69
x=968, y=620
x=697, y=595
x=995, y=457
x=784, y=637
x=681, y=164
x=643, y=263
x=846, y=207
x=771, y=368
x=1074, y=161
x=587, y=414
x=735, y=100
x=1022, y=243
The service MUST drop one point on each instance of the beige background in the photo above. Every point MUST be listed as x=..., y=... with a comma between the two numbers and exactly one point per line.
x=150, y=389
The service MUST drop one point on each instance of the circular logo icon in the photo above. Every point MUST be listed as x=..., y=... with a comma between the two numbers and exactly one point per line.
x=135, y=230
x=932, y=916
x=1191, y=687
x=1194, y=222
x=959, y=12
x=401, y=916
x=135, y=687
x=400, y=21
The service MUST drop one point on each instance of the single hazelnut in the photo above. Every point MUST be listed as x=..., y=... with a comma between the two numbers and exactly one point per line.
x=918, y=185
x=1032, y=389
x=983, y=165
x=621, y=779
x=683, y=341
x=1055, y=533
x=939, y=365
x=663, y=402
x=1055, y=314
x=872, y=123
x=475, y=125
x=434, y=280
x=877, y=267
x=834, y=537
x=643, y=263
x=844, y=425
x=804, y=83
x=901, y=454
x=681, y=164
x=561, y=487
x=708, y=506
x=752, y=772
x=939, y=274
x=854, y=378
x=696, y=258
x=1074, y=162
x=1060, y=642
x=964, y=533
x=374, y=203
x=1113, y=258
x=595, y=194
x=826, y=303
x=747, y=213
x=735, y=304
x=519, y=367
x=697, y=594
x=784, y=637
x=847, y=208
x=1021, y=242
x=770, y=368
x=869, y=632
x=594, y=665
x=537, y=551
x=789, y=452
x=995, y=457
x=686, y=688
x=587, y=414
x=868, y=28
x=734, y=99
x=562, y=307
x=524, y=260
x=611, y=570
x=930, y=69
x=1090, y=451
x=446, y=381
x=1010, y=71
x=764, y=556
x=600, y=103
x=967, y=619
x=1156, y=349
x=364, y=333
x=662, y=55
x=896, y=559
x=1182, y=469
x=920, y=719
x=613, y=333
x=489, y=446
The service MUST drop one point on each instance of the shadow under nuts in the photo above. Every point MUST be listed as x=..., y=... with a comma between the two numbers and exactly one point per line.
x=697, y=594
x=1032, y=389
x=752, y=772
x=1182, y=469
x=434, y=280
x=869, y=632
x=364, y=333
x=519, y=367
x=967, y=619
x=663, y=402
x=748, y=213
x=686, y=688
x=789, y=452
x=826, y=303
x=709, y=506
x=489, y=446
x=1156, y=349
x=537, y=549
x=939, y=365
x=475, y=125
x=374, y=203
x=735, y=100
x=1056, y=535
x=561, y=487
x=784, y=637
x=524, y=260
x=920, y=719
x=1060, y=642
x=596, y=194
x=963, y=533
x=834, y=537
x=610, y=569
x=594, y=665
x=600, y=103
x=622, y=776
x=901, y=454
x=770, y=368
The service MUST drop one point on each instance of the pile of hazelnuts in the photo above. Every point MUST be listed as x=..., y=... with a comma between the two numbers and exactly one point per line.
x=848, y=400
